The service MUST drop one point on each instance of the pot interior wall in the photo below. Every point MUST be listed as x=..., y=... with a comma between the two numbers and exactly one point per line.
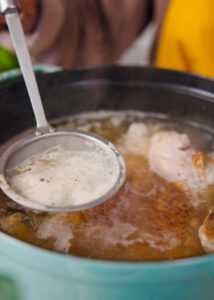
x=181, y=96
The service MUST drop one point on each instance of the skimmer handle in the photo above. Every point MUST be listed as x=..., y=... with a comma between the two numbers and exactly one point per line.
x=10, y=11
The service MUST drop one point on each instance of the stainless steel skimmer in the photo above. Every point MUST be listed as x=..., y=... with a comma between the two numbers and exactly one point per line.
x=46, y=137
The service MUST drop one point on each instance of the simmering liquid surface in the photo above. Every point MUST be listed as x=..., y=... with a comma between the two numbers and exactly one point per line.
x=150, y=218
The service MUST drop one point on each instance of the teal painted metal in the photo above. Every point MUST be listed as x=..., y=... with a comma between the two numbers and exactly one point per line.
x=37, y=274
x=8, y=75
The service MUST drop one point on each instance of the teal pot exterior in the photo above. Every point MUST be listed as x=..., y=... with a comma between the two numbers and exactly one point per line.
x=16, y=73
x=30, y=273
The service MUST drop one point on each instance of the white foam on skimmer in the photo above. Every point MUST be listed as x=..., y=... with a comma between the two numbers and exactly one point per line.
x=60, y=177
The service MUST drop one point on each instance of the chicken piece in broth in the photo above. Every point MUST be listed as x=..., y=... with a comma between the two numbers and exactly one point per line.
x=206, y=232
x=172, y=157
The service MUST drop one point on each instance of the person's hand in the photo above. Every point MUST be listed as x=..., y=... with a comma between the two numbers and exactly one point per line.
x=29, y=14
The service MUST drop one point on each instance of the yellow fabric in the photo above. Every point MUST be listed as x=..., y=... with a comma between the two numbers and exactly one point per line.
x=187, y=39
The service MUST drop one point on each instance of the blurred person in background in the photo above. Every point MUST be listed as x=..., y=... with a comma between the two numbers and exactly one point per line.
x=71, y=33
x=174, y=34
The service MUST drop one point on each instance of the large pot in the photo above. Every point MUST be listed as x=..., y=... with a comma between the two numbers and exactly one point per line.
x=30, y=273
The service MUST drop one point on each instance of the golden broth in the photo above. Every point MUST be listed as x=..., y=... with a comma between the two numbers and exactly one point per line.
x=148, y=219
